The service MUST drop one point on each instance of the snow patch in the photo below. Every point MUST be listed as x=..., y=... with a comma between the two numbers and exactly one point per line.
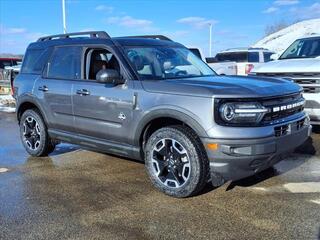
x=3, y=170
x=281, y=40
x=7, y=104
x=317, y=201
x=305, y=187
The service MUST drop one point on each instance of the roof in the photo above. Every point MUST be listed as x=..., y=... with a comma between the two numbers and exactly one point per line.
x=310, y=36
x=138, y=41
x=245, y=49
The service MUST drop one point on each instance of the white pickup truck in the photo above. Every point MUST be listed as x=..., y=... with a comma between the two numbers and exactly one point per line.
x=299, y=63
x=221, y=68
x=246, y=59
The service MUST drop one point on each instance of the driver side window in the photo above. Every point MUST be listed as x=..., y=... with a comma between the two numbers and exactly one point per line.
x=98, y=60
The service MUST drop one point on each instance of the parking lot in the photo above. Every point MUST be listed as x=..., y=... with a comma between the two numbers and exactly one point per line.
x=79, y=194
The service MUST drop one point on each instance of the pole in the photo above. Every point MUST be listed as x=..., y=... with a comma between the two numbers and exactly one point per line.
x=64, y=16
x=210, y=39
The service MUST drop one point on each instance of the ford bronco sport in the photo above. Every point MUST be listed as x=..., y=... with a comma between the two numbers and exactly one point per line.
x=151, y=99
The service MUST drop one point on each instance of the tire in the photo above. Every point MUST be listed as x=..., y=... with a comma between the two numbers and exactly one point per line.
x=34, y=134
x=176, y=161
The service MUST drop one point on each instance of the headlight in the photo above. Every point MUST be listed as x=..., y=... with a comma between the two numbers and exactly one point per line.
x=245, y=113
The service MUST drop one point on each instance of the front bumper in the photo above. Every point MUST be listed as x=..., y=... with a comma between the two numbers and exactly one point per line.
x=236, y=159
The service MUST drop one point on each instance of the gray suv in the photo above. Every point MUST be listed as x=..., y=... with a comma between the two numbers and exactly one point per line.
x=151, y=99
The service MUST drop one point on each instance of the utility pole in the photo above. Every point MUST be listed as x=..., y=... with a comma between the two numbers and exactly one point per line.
x=210, y=39
x=64, y=16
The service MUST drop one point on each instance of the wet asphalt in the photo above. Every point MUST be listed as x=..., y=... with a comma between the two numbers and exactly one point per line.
x=79, y=194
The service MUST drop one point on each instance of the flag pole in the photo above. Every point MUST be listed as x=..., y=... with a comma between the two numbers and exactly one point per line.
x=210, y=39
x=64, y=16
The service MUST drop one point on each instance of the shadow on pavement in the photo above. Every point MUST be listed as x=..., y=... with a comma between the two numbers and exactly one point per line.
x=306, y=148
x=255, y=179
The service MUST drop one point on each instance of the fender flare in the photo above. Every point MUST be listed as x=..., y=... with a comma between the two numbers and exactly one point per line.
x=29, y=99
x=182, y=115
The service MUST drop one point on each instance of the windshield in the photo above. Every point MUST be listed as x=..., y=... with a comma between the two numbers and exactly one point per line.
x=157, y=63
x=303, y=48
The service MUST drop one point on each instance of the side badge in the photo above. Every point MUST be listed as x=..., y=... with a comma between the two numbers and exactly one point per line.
x=122, y=116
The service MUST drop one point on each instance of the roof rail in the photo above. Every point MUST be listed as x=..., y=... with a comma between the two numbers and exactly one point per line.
x=92, y=34
x=159, y=37
x=257, y=48
x=245, y=49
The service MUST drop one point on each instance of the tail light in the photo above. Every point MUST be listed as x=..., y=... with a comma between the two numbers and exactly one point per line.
x=249, y=68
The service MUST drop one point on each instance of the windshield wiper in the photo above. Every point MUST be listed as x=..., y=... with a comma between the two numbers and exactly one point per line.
x=190, y=76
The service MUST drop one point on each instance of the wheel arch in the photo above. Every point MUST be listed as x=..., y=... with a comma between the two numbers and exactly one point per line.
x=26, y=104
x=162, y=118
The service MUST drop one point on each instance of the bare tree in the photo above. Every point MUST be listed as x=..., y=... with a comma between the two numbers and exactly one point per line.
x=275, y=27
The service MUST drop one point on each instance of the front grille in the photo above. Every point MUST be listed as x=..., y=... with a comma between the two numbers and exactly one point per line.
x=300, y=124
x=281, y=130
x=285, y=129
x=310, y=82
x=279, y=102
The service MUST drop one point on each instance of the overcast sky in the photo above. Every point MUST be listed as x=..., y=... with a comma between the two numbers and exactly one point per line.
x=235, y=23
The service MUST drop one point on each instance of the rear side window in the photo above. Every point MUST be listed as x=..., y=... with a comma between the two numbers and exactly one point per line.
x=34, y=61
x=233, y=57
x=65, y=63
x=253, y=57
x=266, y=56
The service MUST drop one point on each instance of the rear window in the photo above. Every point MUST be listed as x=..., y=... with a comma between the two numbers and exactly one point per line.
x=34, y=61
x=253, y=57
x=233, y=57
x=65, y=63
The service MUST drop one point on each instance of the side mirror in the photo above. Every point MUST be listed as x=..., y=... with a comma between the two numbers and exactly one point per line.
x=109, y=76
x=274, y=57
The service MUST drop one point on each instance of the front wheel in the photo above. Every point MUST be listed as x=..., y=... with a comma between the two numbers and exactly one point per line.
x=176, y=161
x=34, y=135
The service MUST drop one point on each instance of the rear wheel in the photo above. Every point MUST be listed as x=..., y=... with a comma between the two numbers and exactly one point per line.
x=34, y=135
x=176, y=162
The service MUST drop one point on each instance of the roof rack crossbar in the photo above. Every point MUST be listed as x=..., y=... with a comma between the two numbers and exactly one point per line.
x=159, y=37
x=92, y=34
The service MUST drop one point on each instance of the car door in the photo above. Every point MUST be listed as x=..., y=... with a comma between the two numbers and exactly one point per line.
x=103, y=111
x=54, y=88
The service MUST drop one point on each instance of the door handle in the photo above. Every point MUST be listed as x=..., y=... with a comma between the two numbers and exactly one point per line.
x=44, y=88
x=83, y=92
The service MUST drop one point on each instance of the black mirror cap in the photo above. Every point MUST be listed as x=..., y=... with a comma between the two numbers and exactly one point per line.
x=109, y=76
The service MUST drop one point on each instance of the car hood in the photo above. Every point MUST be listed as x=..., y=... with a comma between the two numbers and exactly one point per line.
x=223, y=86
x=290, y=66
